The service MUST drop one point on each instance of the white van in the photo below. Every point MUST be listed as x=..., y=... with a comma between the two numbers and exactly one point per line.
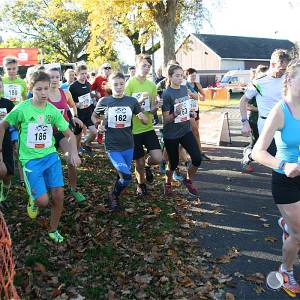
x=236, y=81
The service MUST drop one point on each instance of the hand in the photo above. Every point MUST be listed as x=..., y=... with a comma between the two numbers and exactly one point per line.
x=78, y=121
x=193, y=114
x=291, y=170
x=144, y=96
x=74, y=160
x=178, y=109
x=246, y=130
x=101, y=128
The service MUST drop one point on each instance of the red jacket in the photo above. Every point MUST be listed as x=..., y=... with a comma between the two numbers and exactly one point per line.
x=99, y=85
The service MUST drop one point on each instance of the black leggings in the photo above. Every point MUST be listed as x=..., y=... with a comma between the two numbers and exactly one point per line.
x=189, y=143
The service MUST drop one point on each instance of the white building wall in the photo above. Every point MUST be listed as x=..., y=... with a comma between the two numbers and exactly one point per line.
x=232, y=64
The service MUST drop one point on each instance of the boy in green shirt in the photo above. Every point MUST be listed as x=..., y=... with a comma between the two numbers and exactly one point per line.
x=35, y=119
x=14, y=88
x=144, y=135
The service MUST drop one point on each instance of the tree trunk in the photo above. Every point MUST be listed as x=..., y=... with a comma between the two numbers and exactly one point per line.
x=167, y=38
x=165, y=17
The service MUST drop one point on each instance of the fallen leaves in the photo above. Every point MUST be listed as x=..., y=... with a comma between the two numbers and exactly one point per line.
x=143, y=252
x=143, y=279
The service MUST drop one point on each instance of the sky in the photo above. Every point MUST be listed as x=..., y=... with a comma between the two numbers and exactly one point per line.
x=257, y=18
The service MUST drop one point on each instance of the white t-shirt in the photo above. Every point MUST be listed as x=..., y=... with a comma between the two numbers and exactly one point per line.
x=268, y=91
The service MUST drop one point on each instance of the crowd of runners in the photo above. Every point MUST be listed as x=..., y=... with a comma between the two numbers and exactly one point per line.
x=43, y=119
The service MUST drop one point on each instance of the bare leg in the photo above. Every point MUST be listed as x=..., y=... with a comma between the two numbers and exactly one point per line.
x=57, y=204
x=92, y=135
x=140, y=170
x=154, y=157
x=291, y=246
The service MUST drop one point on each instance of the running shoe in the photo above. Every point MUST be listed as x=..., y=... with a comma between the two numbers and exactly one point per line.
x=162, y=167
x=141, y=190
x=246, y=158
x=177, y=176
x=88, y=150
x=32, y=209
x=249, y=169
x=149, y=174
x=113, y=202
x=284, y=227
x=168, y=189
x=205, y=157
x=189, y=185
x=289, y=281
x=77, y=195
x=56, y=237
x=80, y=152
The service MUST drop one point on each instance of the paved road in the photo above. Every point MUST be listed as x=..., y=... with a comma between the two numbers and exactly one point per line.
x=240, y=213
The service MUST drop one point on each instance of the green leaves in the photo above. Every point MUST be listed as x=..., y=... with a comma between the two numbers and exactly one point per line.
x=62, y=33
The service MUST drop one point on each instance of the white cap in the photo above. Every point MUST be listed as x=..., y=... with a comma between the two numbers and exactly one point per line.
x=105, y=65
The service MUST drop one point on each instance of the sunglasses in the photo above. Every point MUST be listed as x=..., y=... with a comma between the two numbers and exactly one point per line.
x=107, y=68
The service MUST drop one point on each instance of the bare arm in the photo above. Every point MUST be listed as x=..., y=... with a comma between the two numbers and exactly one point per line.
x=246, y=130
x=274, y=122
x=142, y=117
x=71, y=102
x=96, y=119
x=169, y=118
x=3, y=126
x=201, y=92
x=73, y=155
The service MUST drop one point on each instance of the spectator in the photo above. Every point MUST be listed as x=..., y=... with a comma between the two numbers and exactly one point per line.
x=131, y=71
x=99, y=85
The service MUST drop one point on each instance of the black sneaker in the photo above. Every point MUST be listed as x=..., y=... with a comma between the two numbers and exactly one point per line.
x=88, y=150
x=113, y=202
x=149, y=174
x=205, y=157
x=141, y=190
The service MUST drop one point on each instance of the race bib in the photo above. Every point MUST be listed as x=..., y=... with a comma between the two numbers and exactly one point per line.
x=85, y=100
x=194, y=105
x=39, y=136
x=184, y=113
x=12, y=92
x=3, y=113
x=146, y=104
x=119, y=117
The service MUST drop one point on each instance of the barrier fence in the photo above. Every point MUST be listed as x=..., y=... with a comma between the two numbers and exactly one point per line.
x=215, y=97
x=7, y=267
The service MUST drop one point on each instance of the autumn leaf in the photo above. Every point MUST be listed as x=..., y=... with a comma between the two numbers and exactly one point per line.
x=229, y=296
x=143, y=279
x=38, y=267
x=271, y=239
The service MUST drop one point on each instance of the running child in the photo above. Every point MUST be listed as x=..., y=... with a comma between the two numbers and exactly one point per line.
x=7, y=164
x=35, y=119
x=118, y=111
x=62, y=100
x=177, y=129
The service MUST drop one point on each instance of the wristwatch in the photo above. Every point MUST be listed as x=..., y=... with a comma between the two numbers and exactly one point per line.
x=244, y=120
x=281, y=165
